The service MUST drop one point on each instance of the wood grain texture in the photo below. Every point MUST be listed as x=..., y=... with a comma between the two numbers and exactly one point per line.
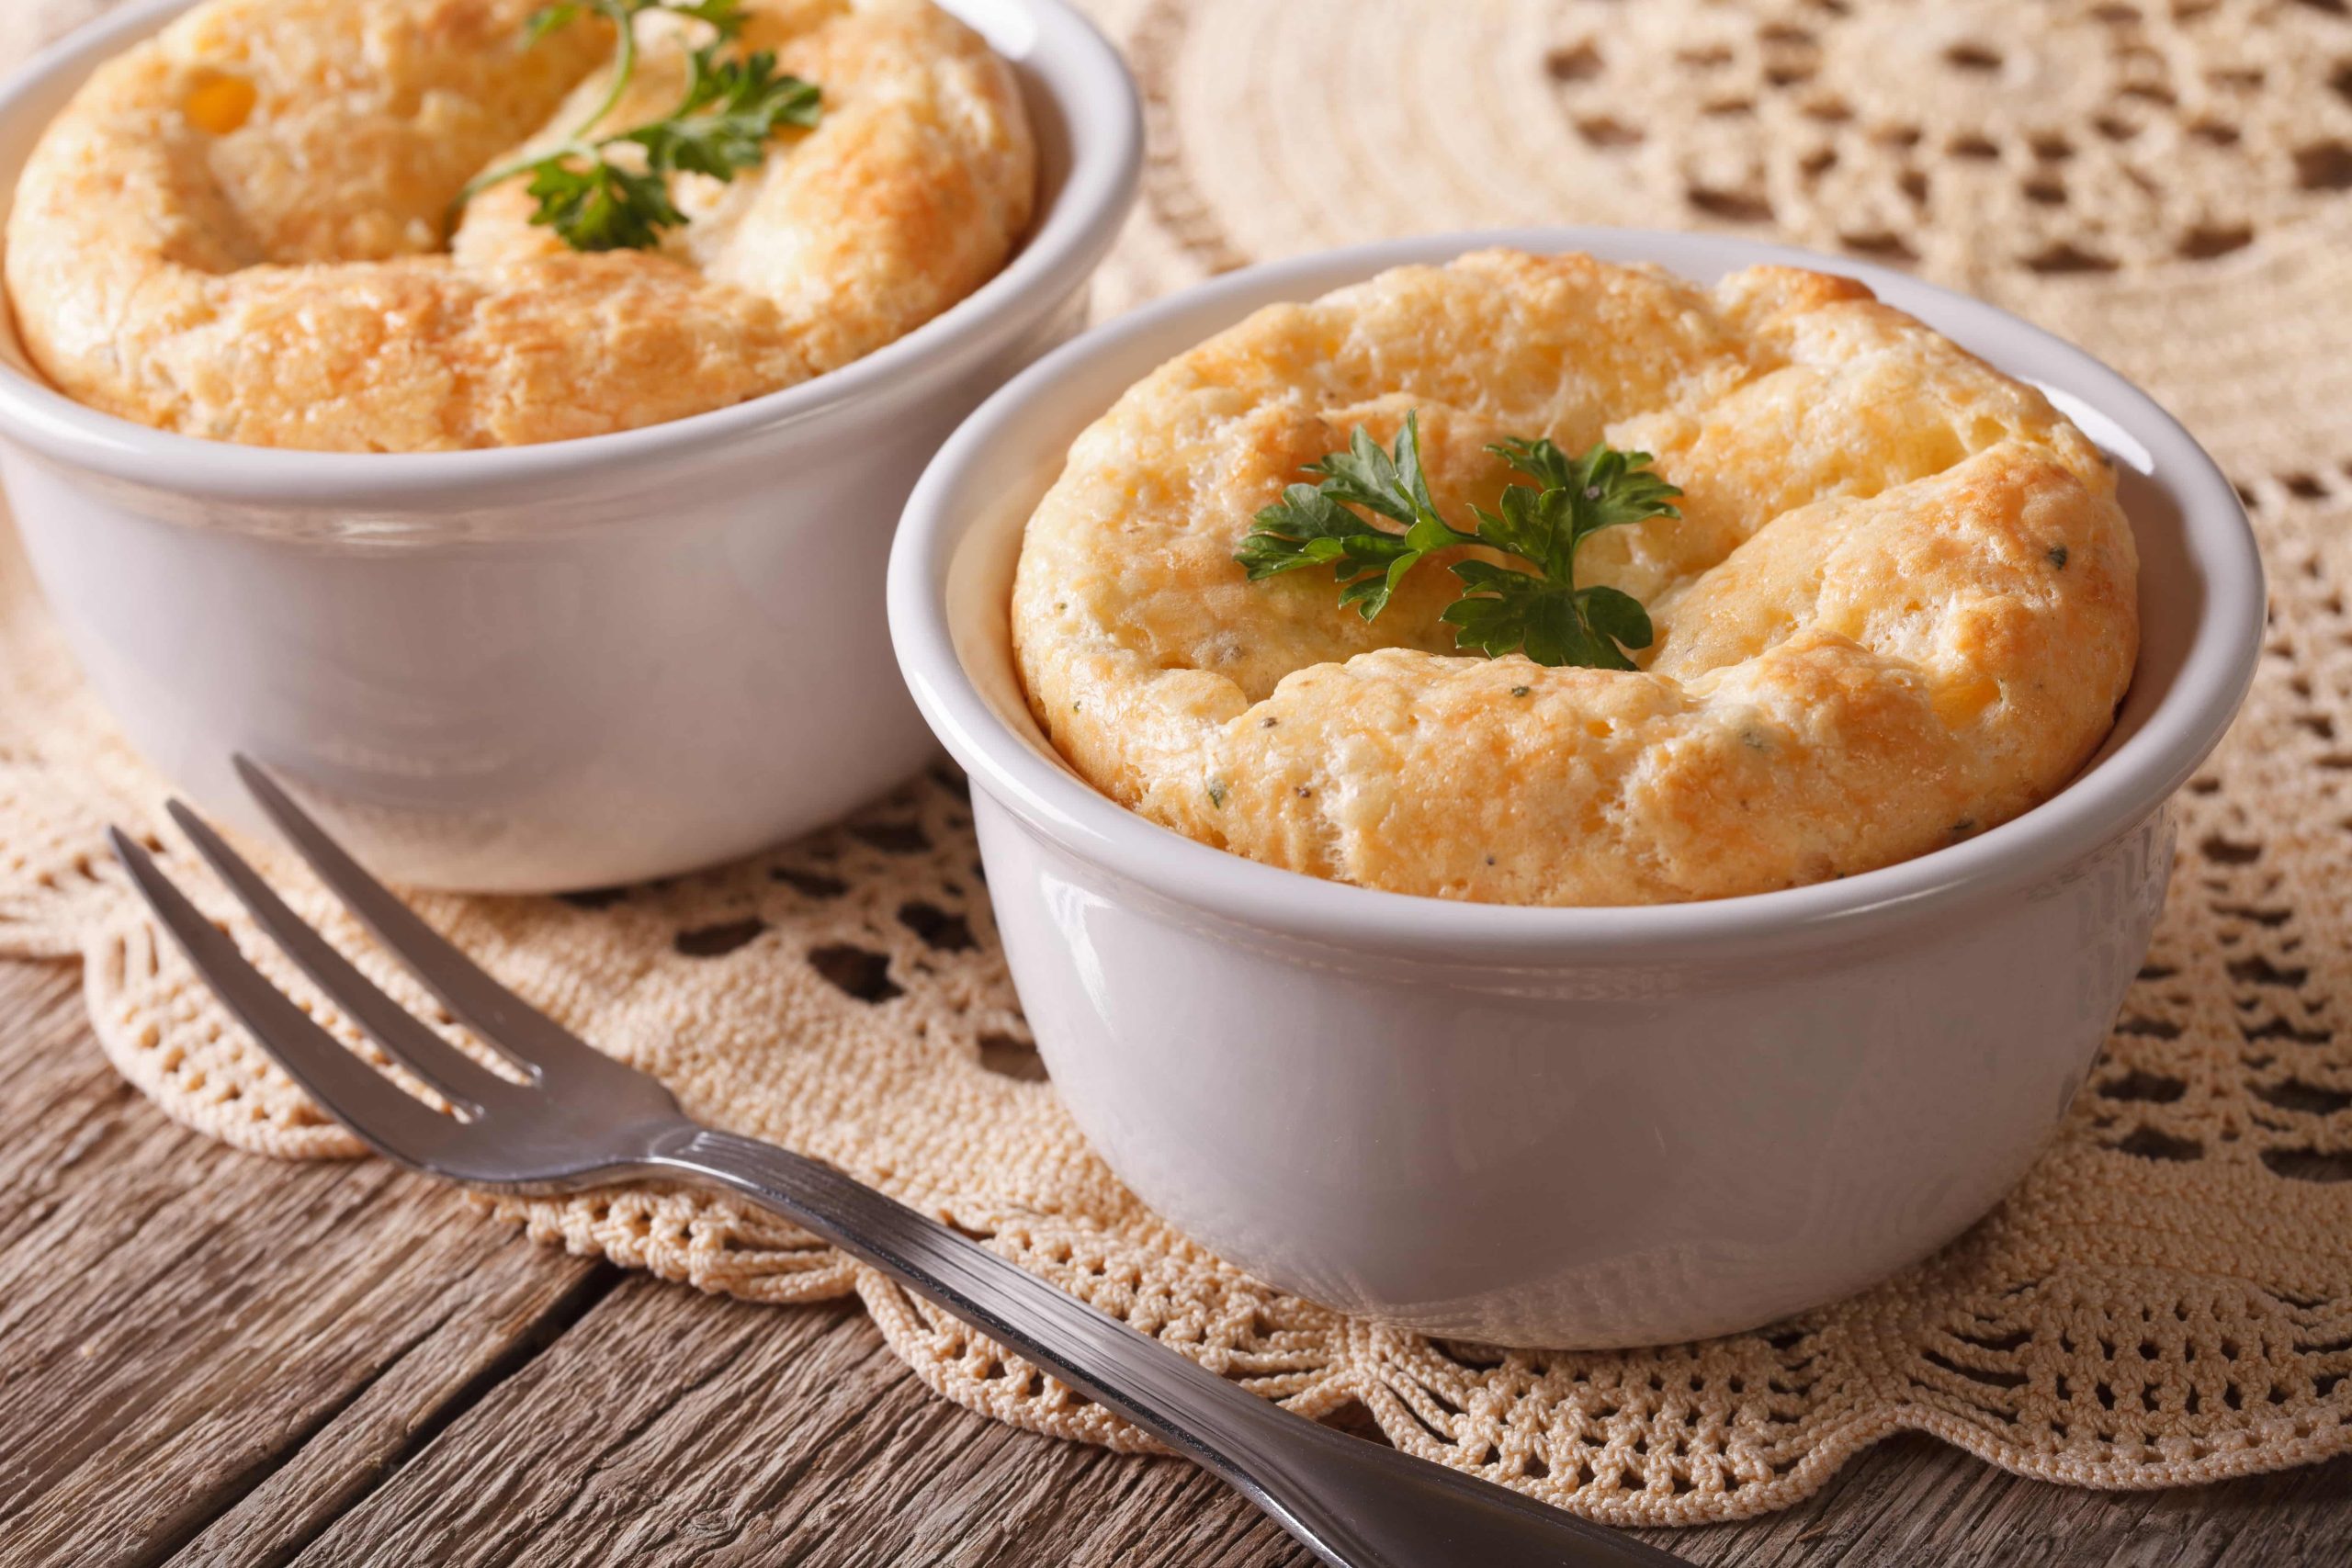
x=211, y=1360
x=180, y=1322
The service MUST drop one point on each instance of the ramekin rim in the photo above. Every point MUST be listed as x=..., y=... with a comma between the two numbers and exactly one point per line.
x=1074, y=62
x=2121, y=790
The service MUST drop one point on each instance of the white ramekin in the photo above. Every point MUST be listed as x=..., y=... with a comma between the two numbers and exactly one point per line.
x=556, y=666
x=1566, y=1127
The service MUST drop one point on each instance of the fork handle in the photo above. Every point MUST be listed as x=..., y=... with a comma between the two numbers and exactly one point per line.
x=1354, y=1504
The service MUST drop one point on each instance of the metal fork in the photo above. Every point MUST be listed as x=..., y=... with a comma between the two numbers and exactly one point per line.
x=583, y=1118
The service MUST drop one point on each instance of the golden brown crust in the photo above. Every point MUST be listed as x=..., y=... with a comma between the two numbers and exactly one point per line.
x=1899, y=608
x=235, y=229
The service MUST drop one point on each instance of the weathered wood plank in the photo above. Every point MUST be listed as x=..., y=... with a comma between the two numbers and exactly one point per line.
x=753, y=1436
x=666, y=1428
x=390, y=1419
x=1916, y=1501
x=179, y=1320
x=218, y=1361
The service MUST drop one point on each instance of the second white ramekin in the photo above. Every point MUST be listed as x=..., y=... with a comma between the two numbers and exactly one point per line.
x=1567, y=1127
x=547, y=667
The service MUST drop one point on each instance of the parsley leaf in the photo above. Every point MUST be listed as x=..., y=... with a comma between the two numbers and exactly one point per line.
x=602, y=206
x=1311, y=526
x=731, y=107
x=721, y=126
x=1538, y=609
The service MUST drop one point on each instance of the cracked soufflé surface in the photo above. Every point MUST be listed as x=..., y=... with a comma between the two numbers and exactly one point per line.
x=236, y=230
x=1898, y=608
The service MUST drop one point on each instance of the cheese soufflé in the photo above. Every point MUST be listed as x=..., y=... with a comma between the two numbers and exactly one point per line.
x=255, y=226
x=1892, y=605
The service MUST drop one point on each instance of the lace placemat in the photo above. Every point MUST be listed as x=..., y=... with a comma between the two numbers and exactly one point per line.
x=2168, y=1296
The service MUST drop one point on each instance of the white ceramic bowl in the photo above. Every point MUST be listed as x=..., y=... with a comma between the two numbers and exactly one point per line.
x=554, y=666
x=1566, y=1127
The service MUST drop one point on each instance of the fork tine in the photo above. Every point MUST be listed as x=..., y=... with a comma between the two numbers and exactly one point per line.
x=462, y=1080
x=394, y=1122
x=523, y=1034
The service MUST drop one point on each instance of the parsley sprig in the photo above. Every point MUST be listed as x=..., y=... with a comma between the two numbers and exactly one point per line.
x=1538, y=608
x=721, y=126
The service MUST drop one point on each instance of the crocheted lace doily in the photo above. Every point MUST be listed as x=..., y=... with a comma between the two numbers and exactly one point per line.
x=2168, y=1297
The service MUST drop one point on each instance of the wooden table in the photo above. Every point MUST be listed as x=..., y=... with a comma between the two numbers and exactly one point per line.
x=207, y=1357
